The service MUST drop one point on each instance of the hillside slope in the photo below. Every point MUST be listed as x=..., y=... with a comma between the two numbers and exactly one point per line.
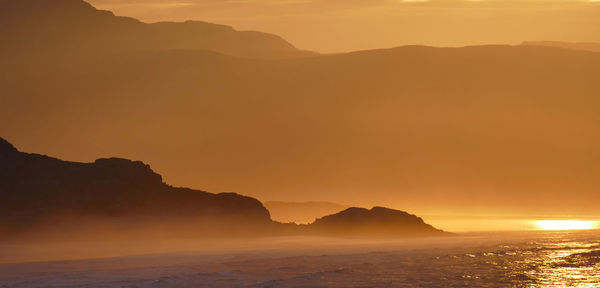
x=38, y=191
x=75, y=28
x=114, y=198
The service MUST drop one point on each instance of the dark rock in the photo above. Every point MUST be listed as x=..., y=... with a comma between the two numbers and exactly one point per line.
x=7, y=148
x=378, y=221
x=41, y=192
x=35, y=188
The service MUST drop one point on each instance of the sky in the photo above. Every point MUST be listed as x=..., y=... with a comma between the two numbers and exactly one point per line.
x=346, y=25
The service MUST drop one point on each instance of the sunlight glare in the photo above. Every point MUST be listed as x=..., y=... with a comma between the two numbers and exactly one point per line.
x=566, y=224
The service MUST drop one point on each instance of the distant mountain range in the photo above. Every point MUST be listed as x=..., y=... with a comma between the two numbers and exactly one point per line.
x=584, y=46
x=302, y=212
x=75, y=28
x=117, y=196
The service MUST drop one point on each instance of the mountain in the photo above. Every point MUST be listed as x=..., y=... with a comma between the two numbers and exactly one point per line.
x=37, y=190
x=378, y=221
x=406, y=125
x=384, y=121
x=584, y=46
x=116, y=198
x=75, y=28
x=301, y=212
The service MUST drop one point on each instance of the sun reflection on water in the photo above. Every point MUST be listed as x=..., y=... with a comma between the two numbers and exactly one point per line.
x=567, y=264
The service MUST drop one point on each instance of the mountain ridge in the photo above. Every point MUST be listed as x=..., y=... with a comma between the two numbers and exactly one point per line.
x=583, y=46
x=36, y=188
x=75, y=27
x=38, y=192
x=386, y=105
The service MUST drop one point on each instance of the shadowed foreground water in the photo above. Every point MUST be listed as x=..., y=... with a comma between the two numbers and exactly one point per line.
x=538, y=259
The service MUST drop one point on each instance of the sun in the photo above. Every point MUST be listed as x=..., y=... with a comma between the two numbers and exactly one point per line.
x=566, y=224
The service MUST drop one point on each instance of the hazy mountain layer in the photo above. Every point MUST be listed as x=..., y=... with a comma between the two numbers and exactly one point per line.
x=480, y=130
x=584, y=46
x=301, y=212
x=73, y=28
x=408, y=124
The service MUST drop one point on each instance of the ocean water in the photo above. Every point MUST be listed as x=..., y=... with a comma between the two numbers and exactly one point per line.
x=524, y=259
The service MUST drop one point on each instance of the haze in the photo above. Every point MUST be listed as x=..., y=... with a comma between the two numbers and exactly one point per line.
x=492, y=131
x=341, y=26
x=299, y=143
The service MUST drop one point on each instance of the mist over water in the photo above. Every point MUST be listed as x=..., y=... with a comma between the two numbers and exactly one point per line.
x=501, y=259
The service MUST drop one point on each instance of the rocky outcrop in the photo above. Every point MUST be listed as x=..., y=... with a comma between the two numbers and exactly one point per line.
x=35, y=188
x=378, y=221
x=126, y=197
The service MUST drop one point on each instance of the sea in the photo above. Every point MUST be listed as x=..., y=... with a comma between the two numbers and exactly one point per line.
x=491, y=259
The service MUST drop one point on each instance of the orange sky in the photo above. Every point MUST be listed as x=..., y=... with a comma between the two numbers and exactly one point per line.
x=336, y=25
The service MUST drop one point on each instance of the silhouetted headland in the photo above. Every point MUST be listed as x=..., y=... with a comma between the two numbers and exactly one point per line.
x=38, y=191
x=378, y=221
x=120, y=196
